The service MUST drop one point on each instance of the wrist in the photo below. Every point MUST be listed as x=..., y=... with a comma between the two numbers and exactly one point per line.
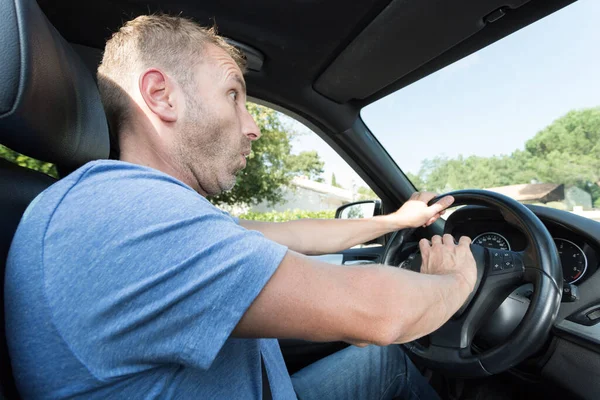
x=465, y=286
x=392, y=223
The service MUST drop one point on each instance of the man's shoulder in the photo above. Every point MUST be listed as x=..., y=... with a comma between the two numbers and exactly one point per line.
x=113, y=172
x=113, y=191
x=97, y=175
x=118, y=182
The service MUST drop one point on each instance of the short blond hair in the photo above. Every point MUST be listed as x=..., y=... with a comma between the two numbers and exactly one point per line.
x=172, y=43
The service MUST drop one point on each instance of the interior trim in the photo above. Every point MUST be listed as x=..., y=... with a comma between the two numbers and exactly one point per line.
x=591, y=333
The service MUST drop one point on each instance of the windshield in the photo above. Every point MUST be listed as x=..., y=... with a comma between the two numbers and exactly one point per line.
x=520, y=117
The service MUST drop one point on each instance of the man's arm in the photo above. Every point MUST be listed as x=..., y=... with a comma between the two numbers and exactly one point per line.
x=324, y=236
x=311, y=300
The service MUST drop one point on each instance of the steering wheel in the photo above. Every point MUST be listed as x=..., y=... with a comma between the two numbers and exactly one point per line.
x=499, y=272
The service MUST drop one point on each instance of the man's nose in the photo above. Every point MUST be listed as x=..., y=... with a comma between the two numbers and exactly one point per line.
x=249, y=127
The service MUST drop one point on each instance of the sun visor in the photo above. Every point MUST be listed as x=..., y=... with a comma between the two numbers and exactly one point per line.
x=403, y=37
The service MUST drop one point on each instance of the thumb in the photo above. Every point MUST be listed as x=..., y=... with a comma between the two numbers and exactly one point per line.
x=440, y=205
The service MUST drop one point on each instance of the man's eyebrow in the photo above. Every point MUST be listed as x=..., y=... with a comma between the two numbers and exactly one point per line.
x=239, y=80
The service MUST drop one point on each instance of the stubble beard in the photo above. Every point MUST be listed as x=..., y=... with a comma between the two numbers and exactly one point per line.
x=200, y=150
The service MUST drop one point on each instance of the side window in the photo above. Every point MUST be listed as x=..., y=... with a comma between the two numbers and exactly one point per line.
x=291, y=174
x=28, y=162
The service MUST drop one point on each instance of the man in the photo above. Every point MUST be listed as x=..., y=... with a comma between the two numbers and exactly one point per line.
x=123, y=281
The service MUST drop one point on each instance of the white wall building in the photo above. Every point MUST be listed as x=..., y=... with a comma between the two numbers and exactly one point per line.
x=305, y=194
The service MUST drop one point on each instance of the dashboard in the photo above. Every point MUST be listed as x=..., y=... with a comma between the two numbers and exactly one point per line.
x=579, y=255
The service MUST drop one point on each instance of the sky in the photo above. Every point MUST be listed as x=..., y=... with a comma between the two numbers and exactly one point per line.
x=490, y=102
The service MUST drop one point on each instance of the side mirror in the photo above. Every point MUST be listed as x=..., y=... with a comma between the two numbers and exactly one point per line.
x=359, y=209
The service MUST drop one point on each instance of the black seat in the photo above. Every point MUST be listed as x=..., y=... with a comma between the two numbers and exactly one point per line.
x=50, y=109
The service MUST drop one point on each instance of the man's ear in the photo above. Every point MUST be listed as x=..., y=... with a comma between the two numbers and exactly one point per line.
x=158, y=92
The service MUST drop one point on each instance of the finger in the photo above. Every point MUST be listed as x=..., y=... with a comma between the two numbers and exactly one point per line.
x=464, y=241
x=448, y=240
x=425, y=248
x=442, y=204
x=437, y=239
x=426, y=196
x=431, y=220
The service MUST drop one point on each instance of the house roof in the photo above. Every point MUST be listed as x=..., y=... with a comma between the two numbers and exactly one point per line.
x=305, y=183
x=543, y=192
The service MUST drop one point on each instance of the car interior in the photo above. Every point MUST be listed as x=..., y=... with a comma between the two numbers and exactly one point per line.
x=321, y=63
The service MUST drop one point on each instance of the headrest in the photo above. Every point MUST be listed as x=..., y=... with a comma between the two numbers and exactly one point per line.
x=50, y=107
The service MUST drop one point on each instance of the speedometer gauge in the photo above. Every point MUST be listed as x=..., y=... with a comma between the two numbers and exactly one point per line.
x=492, y=240
x=573, y=260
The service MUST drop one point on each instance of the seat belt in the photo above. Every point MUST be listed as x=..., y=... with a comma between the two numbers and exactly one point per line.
x=266, y=387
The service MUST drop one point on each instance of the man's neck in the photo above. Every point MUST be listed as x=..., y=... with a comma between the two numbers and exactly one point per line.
x=142, y=153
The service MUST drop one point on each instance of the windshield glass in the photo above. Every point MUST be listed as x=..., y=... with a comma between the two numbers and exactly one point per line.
x=520, y=116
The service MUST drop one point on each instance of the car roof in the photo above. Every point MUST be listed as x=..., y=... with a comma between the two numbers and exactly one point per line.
x=324, y=60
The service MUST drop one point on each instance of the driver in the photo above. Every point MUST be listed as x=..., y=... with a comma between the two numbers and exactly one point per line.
x=123, y=281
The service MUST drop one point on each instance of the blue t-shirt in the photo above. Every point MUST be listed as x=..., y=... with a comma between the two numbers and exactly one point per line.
x=123, y=282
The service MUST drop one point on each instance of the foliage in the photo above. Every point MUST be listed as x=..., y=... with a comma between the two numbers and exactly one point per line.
x=334, y=181
x=355, y=212
x=307, y=163
x=271, y=166
x=288, y=215
x=28, y=162
x=567, y=151
x=365, y=193
x=416, y=180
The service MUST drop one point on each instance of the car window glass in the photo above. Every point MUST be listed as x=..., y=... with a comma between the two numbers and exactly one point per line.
x=520, y=117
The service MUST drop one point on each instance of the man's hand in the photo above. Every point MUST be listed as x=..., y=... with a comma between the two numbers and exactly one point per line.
x=444, y=257
x=415, y=212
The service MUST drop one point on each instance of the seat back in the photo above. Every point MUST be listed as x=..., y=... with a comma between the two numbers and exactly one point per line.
x=50, y=109
x=18, y=186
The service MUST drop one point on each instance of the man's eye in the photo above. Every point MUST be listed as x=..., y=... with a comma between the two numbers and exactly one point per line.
x=233, y=94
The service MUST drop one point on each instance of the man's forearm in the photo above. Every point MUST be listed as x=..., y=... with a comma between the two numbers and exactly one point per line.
x=448, y=296
x=412, y=305
x=312, y=300
x=323, y=236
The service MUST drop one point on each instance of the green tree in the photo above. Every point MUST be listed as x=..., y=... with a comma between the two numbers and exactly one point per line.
x=365, y=193
x=307, y=163
x=416, y=180
x=355, y=212
x=567, y=151
x=576, y=133
x=271, y=166
x=334, y=181
x=288, y=215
